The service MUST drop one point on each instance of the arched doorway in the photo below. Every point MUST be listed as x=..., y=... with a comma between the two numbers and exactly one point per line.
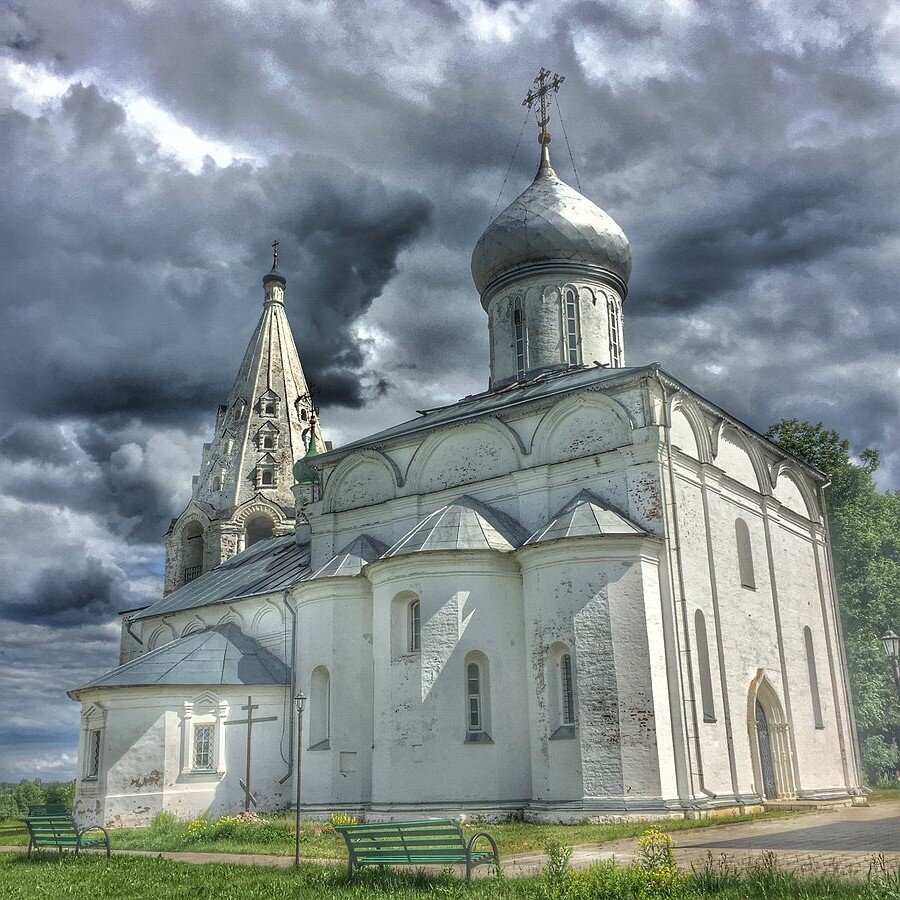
x=764, y=745
x=258, y=529
x=771, y=745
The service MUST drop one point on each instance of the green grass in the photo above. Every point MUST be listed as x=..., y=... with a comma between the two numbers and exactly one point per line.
x=142, y=878
x=318, y=840
x=884, y=794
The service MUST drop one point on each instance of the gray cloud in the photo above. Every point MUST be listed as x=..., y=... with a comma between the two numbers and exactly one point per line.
x=748, y=150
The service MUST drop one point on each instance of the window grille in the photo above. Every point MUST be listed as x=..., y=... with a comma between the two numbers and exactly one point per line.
x=415, y=627
x=568, y=691
x=203, y=748
x=571, y=327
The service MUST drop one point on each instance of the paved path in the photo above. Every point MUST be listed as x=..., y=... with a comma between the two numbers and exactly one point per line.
x=841, y=841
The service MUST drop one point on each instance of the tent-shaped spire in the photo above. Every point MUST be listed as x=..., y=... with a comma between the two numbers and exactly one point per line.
x=261, y=428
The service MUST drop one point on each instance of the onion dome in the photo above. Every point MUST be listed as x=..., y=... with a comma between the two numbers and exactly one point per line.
x=550, y=224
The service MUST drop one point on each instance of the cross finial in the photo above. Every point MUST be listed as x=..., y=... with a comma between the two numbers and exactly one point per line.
x=546, y=84
x=274, y=255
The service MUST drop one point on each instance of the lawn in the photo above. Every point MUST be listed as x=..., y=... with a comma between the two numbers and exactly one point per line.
x=319, y=841
x=143, y=878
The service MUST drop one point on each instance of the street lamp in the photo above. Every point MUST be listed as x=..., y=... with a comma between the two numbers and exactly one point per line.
x=299, y=702
x=891, y=643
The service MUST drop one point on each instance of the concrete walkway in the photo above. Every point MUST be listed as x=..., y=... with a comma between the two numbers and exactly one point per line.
x=841, y=841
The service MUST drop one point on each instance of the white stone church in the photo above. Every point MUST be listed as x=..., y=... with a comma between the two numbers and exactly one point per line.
x=586, y=593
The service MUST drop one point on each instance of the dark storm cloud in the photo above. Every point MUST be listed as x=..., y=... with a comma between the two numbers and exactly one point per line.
x=63, y=596
x=748, y=150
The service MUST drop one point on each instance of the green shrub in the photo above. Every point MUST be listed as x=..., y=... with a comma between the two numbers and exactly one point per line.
x=881, y=760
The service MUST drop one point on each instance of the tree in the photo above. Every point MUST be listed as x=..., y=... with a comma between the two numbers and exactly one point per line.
x=865, y=531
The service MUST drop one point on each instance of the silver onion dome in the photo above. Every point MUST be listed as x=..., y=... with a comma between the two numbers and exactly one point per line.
x=550, y=222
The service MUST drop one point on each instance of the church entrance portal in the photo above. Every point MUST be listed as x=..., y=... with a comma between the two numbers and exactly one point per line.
x=770, y=789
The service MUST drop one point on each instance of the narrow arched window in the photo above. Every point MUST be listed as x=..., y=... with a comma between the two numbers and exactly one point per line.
x=572, y=354
x=192, y=552
x=519, y=323
x=706, y=691
x=260, y=528
x=414, y=627
x=813, y=678
x=745, y=554
x=319, y=709
x=473, y=692
x=478, y=709
x=567, y=688
x=615, y=332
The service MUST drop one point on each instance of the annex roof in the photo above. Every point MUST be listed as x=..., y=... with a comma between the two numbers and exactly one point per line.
x=351, y=559
x=264, y=568
x=465, y=524
x=219, y=655
x=585, y=515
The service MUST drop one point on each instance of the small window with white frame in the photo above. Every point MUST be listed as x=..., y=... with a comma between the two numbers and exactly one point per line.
x=561, y=686
x=478, y=707
x=414, y=627
x=571, y=316
x=519, y=327
x=615, y=332
x=203, y=748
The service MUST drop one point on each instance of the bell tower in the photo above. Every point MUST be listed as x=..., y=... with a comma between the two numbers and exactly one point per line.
x=242, y=493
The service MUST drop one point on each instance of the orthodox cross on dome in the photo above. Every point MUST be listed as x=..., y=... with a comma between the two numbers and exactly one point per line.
x=546, y=84
x=274, y=255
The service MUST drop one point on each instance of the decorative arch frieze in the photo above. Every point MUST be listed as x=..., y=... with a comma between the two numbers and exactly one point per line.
x=267, y=611
x=493, y=449
x=342, y=474
x=788, y=470
x=232, y=617
x=196, y=624
x=256, y=506
x=691, y=411
x=727, y=431
x=597, y=434
x=161, y=635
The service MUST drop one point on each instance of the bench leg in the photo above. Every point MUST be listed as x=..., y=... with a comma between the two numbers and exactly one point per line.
x=28, y=855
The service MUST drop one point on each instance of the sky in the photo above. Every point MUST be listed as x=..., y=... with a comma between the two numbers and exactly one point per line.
x=153, y=149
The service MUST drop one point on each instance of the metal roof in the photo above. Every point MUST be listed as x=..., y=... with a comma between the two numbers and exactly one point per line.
x=264, y=568
x=465, y=524
x=585, y=515
x=351, y=559
x=219, y=655
x=545, y=385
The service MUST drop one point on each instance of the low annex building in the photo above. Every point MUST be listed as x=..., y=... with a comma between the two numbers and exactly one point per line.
x=586, y=593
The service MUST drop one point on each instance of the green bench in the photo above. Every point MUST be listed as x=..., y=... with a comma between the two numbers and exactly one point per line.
x=428, y=842
x=51, y=826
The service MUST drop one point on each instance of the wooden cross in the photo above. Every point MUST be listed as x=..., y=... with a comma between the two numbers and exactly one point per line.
x=249, y=722
x=546, y=83
x=274, y=255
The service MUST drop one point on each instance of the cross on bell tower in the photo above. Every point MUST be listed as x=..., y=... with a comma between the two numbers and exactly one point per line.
x=546, y=84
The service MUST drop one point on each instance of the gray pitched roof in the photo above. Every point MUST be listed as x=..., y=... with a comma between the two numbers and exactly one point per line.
x=351, y=559
x=266, y=567
x=219, y=655
x=585, y=515
x=465, y=524
x=546, y=385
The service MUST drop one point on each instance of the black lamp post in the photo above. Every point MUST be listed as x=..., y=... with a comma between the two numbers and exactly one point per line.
x=299, y=702
x=891, y=642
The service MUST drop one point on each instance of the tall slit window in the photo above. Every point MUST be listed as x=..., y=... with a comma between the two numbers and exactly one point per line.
x=320, y=709
x=203, y=748
x=473, y=690
x=571, y=298
x=813, y=678
x=415, y=627
x=568, y=691
x=615, y=333
x=706, y=691
x=478, y=698
x=92, y=769
x=745, y=554
x=519, y=323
